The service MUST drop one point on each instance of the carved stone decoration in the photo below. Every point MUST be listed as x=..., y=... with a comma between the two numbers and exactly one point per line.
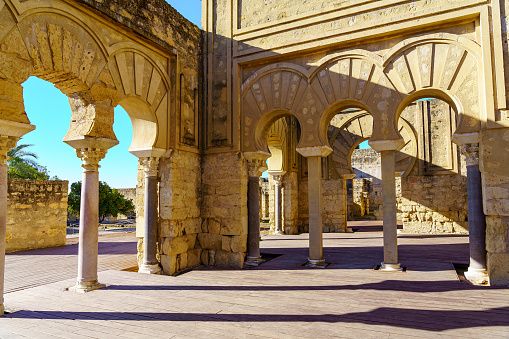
x=90, y=158
x=6, y=144
x=150, y=166
x=471, y=153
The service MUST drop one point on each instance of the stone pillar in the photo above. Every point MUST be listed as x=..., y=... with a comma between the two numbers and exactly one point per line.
x=477, y=271
x=88, y=247
x=314, y=157
x=278, y=202
x=315, y=211
x=6, y=143
x=255, y=166
x=150, y=264
x=390, y=224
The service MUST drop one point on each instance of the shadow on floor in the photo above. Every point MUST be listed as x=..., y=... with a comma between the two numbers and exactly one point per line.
x=387, y=285
x=427, y=257
x=105, y=248
x=430, y=320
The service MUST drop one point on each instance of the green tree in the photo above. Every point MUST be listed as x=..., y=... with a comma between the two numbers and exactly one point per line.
x=111, y=202
x=23, y=164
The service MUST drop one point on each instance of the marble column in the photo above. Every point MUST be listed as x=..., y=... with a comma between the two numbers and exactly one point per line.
x=390, y=224
x=477, y=270
x=315, y=211
x=255, y=167
x=88, y=247
x=278, y=203
x=150, y=264
x=6, y=143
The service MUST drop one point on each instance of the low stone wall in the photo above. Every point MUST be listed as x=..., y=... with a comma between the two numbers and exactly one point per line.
x=36, y=214
x=433, y=204
x=333, y=206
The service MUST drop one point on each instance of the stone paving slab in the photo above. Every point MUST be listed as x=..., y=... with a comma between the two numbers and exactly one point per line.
x=280, y=299
x=43, y=266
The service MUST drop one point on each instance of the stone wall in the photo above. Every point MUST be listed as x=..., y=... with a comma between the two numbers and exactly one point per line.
x=223, y=237
x=36, y=214
x=433, y=204
x=179, y=211
x=333, y=206
x=290, y=208
x=494, y=167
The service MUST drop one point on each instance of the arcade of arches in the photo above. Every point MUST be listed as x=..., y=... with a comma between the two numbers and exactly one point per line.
x=286, y=87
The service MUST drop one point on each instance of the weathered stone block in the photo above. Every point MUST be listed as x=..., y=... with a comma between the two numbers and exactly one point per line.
x=210, y=241
x=498, y=268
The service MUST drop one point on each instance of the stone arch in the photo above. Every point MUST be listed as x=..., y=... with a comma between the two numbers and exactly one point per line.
x=63, y=50
x=354, y=79
x=55, y=45
x=271, y=93
x=143, y=90
x=349, y=130
x=443, y=66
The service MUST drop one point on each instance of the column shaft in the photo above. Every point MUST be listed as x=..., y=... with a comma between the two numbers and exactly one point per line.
x=89, y=231
x=253, y=210
x=278, y=206
x=477, y=270
x=315, y=210
x=150, y=216
x=3, y=226
x=150, y=264
x=390, y=226
x=476, y=219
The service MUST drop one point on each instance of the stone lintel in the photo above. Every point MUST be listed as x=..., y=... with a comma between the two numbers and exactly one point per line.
x=150, y=152
x=387, y=145
x=91, y=142
x=14, y=129
x=465, y=138
x=315, y=151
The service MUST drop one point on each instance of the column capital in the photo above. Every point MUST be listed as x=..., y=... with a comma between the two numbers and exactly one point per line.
x=256, y=162
x=6, y=144
x=277, y=177
x=471, y=153
x=150, y=166
x=91, y=158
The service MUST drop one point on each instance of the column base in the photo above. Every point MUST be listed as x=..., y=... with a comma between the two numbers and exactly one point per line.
x=477, y=276
x=320, y=263
x=279, y=233
x=84, y=287
x=391, y=267
x=2, y=310
x=150, y=269
x=254, y=261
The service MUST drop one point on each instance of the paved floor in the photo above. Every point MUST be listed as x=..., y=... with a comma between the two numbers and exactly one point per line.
x=280, y=299
x=39, y=267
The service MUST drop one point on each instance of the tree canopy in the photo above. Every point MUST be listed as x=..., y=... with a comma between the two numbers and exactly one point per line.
x=22, y=164
x=111, y=202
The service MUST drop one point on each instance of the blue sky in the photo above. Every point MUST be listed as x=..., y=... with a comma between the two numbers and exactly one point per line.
x=48, y=109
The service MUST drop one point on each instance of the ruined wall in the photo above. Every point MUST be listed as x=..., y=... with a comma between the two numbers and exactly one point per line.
x=36, y=214
x=333, y=206
x=224, y=210
x=179, y=211
x=433, y=204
